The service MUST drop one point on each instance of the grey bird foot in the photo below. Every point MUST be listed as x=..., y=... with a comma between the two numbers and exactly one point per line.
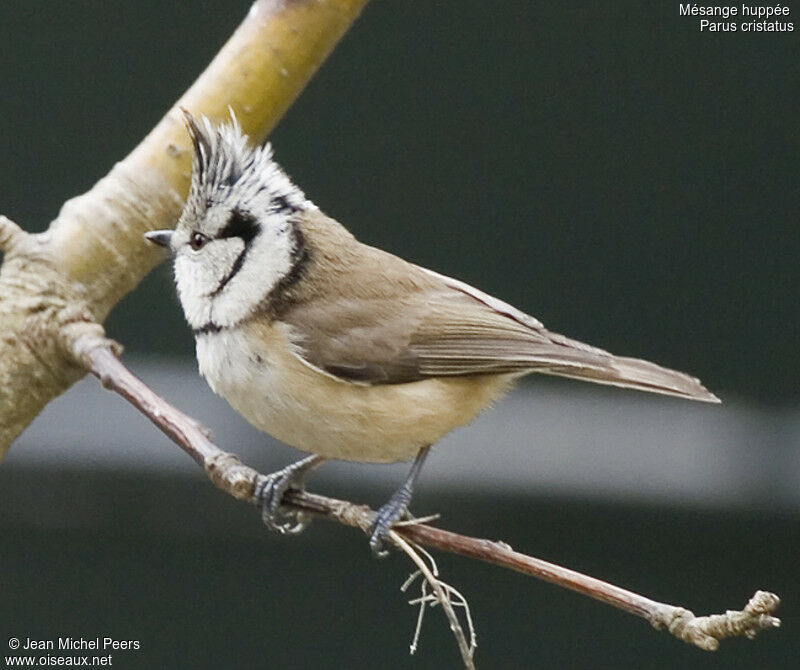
x=270, y=489
x=396, y=508
x=388, y=515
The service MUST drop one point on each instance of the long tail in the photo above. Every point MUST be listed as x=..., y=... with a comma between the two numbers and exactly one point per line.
x=501, y=349
x=638, y=374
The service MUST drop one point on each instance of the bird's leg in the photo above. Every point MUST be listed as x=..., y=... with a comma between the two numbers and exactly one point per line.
x=269, y=490
x=397, y=506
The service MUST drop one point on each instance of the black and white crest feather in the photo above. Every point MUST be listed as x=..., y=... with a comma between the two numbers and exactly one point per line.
x=238, y=240
x=224, y=162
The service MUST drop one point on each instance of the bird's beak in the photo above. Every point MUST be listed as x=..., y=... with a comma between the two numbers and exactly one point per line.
x=160, y=237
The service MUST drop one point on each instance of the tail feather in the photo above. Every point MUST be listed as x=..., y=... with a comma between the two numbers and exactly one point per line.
x=481, y=343
x=641, y=375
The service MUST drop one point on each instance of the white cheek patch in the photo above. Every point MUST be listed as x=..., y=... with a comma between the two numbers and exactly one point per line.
x=198, y=274
x=267, y=260
x=227, y=280
x=189, y=277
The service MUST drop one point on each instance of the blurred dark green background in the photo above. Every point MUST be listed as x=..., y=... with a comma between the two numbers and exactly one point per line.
x=604, y=166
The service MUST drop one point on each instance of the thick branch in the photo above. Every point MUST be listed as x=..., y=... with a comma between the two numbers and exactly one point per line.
x=94, y=252
x=229, y=474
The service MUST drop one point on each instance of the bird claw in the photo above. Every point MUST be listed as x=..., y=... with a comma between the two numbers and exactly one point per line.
x=269, y=492
x=387, y=516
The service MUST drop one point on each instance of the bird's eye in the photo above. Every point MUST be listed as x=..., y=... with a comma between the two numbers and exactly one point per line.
x=197, y=240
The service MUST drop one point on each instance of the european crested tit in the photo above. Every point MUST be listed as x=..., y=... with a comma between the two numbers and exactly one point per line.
x=340, y=349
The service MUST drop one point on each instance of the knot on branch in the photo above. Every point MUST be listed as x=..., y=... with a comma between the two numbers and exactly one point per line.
x=707, y=631
x=19, y=245
x=228, y=473
x=79, y=336
x=13, y=240
x=356, y=516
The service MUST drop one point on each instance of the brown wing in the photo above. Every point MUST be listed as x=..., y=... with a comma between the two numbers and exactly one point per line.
x=386, y=321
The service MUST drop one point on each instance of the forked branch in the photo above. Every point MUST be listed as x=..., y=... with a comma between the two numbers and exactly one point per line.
x=227, y=472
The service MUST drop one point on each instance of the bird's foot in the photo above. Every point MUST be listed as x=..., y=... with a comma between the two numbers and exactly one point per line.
x=396, y=508
x=388, y=515
x=270, y=489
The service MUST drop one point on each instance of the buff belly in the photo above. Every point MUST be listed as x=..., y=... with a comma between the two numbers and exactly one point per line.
x=280, y=394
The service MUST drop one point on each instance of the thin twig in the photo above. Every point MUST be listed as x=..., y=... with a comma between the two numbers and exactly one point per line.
x=430, y=600
x=441, y=596
x=228, y=473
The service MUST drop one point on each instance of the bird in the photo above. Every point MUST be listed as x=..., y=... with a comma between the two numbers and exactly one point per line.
x=337, y=348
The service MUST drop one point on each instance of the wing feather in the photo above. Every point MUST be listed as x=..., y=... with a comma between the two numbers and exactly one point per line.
x=414, y=324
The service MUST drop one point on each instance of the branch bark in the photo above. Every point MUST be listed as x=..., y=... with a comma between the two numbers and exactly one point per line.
x=59, y=284
x=228, y=473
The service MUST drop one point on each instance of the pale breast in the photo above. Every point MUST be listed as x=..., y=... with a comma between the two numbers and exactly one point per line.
x=254, y=369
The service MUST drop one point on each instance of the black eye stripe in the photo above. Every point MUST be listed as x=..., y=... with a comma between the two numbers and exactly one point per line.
x=245, y=227
x=240, y=224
